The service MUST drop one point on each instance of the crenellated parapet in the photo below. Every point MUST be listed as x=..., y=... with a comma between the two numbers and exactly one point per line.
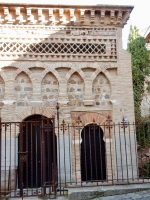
x=35, y=14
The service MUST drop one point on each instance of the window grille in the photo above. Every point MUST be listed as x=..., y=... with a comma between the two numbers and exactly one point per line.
x=53, y=48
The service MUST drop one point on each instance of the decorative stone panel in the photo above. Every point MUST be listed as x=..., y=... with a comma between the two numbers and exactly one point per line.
x=49, y=90
x=23, y=89
x=75, y=90
x=102, y=91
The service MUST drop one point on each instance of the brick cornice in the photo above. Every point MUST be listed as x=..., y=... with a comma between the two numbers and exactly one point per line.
x=12, y=13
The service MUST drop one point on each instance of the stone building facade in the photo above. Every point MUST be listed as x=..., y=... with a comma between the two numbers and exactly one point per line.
x=67, y=54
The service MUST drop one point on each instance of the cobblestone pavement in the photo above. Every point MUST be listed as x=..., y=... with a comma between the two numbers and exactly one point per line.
x=142, y=195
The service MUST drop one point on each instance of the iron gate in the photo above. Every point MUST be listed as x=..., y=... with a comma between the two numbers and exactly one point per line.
x=37, y=154
x=32, y=149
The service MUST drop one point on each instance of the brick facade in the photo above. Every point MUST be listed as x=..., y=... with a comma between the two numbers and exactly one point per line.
x=67, y=54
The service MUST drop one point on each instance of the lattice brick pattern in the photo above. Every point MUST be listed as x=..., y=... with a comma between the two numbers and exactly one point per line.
x=53, y=48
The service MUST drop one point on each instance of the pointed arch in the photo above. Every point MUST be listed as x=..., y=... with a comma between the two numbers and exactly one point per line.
x=27, y=71
x=101, y=89
x=75, y=89
x=72, y=71
x=49, y=70
x=93, y=164
x=104, y=71
x=23, y=89
x=50, y=89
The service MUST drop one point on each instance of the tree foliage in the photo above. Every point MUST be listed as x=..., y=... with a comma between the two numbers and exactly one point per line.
x=140, y=66
x=134, y=34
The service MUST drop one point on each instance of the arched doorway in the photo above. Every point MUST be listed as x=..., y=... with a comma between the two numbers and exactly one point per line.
x=37, y=153
x=93, y=165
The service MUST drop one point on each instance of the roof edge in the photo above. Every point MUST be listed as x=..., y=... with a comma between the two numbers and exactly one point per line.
x=65, y=5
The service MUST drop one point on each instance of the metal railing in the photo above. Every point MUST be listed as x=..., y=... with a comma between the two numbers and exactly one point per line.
x=40, y=158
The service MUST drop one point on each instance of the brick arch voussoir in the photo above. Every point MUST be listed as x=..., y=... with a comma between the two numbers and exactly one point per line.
x=27, y=71
x=4, y=76
x=105, y=72
x=54, y=72
x=108, y=75
x=88, y=118
x=72, y=71
x=97, y=118
x=32, y=110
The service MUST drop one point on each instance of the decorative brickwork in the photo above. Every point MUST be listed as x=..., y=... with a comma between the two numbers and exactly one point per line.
x=23, y=113
x=60, y=45
x=52, y=14
x=71, y=55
